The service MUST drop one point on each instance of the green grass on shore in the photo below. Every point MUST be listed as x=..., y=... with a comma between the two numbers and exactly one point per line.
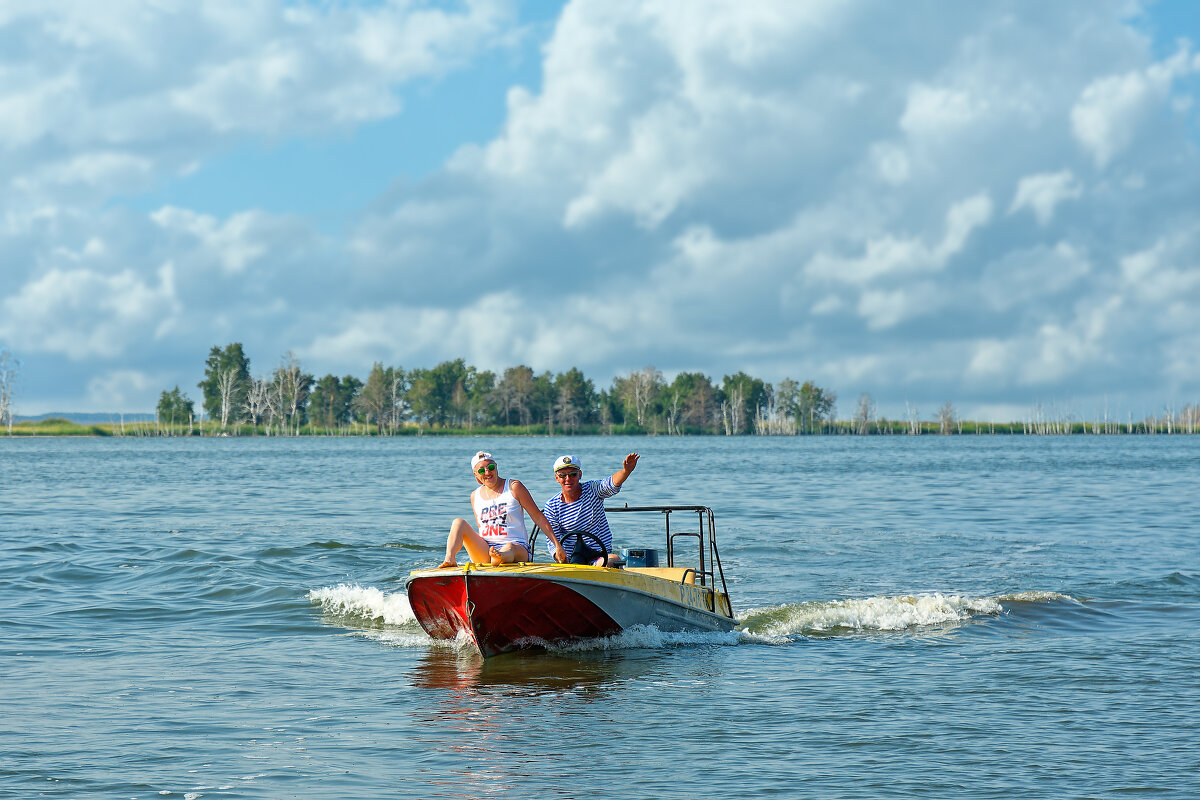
x=62, y=427
x=55, y=426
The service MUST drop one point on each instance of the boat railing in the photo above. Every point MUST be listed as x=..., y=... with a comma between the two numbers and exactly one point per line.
x=709, y=570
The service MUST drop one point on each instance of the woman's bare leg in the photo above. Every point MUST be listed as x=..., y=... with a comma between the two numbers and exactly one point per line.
x=477, y=547
x=509, y=554
x=461, y=533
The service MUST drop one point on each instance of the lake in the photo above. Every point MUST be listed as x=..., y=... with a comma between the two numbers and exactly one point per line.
x=925, y=617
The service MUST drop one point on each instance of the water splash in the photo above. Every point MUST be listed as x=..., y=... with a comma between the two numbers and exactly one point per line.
x=365, y=603
x=369, y=607
x=647, y=637
x=876, y=613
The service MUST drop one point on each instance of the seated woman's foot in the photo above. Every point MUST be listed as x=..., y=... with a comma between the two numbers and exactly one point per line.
x=445, y=564
x=496, y=558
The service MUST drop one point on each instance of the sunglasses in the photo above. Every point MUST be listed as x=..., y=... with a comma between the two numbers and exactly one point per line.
x=487, y=469
x=569, y=473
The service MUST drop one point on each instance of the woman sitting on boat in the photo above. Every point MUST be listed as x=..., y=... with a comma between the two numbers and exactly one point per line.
x=500, y=507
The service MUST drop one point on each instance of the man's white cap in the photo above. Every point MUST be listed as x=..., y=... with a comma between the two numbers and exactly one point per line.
x=480, y=456
x=568, y=461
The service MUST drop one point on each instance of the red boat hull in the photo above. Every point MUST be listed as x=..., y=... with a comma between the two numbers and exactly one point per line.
x=501, y=614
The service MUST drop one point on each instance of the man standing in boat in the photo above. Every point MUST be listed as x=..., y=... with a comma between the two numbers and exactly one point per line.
x=500, y=507
x=580, y=506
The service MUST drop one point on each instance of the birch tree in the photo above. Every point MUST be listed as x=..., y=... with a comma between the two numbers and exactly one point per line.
x=639, y=391
x=225, y=393
x=291, y=387
x=946, y=416
x=9, y=367
x=864, y=415
x=227, y=383
x=748, y=399
x=257, y=401
x=912, y=417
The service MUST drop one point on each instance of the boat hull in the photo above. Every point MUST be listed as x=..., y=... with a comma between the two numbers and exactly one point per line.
x=508, y=607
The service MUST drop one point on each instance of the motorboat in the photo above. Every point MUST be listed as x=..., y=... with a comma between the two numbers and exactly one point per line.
x=527, y=605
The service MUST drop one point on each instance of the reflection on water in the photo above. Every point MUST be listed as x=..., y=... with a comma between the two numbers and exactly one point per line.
x=484, y=711
x=523, y=673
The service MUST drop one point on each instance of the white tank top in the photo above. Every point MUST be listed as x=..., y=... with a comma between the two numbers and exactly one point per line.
x=501, y=518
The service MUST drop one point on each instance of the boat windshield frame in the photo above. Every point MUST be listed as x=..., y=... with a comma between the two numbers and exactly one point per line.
x=705, y=534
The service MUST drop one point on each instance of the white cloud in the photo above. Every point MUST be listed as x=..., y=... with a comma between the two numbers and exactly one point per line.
x=1055, y=351
x=803, y=189
x=137, y=86
x=885, y=308
x=1059, y=351
x=891, y=162
x=637, y=98
x=932, y=112
x=1112, y=110
x=82, y=314
x=991, y=359
x=1042, y=193
x=889, y=256
x=236, y=243
x=1020, y=279
x=121, y=389
x=1166, y=273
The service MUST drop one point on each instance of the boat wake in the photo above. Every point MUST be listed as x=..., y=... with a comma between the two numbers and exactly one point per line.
x=388, y=618
x=364, y=605
x=882, y=614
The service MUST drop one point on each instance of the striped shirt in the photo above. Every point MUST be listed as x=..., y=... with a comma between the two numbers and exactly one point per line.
x=585, y=514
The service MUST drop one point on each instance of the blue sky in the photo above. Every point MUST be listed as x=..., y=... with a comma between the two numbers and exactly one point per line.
x=987, y=204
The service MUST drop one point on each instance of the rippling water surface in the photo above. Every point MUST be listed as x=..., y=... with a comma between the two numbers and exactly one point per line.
x=965, y=617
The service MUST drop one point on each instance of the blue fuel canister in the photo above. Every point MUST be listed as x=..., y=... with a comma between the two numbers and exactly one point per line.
x=639, y=556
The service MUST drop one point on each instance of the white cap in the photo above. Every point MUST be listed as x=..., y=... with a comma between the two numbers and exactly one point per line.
x=480, y=456
x=568, y=461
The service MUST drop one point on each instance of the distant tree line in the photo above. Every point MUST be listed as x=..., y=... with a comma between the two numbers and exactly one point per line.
x=456, y=395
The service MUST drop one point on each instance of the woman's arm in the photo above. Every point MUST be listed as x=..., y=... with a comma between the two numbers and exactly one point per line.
x=531, y=508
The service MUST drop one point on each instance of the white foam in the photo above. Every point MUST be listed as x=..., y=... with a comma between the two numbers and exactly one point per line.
x=367, y=602
x=1036, y=597
x=869, y=614
x=420, y=640
x=648, y=637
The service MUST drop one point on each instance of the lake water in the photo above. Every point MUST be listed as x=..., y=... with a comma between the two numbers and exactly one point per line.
x=927, y=617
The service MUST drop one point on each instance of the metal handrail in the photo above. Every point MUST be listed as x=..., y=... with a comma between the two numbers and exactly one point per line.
x=706, y=532
x=706, y=525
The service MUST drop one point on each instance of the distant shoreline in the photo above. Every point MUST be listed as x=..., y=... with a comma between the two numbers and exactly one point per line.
x=56, y=426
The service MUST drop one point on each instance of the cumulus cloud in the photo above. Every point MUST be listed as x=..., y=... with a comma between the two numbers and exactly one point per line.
x=1042, y=193
x=1024, y=278
x=232, y=243
x=1113, y=109
x=839, y=191
x=890, y=256
x=81, y=313
x=121, y=389
x=106, y=93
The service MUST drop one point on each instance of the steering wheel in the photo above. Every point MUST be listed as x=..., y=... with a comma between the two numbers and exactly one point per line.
x=580, y=537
